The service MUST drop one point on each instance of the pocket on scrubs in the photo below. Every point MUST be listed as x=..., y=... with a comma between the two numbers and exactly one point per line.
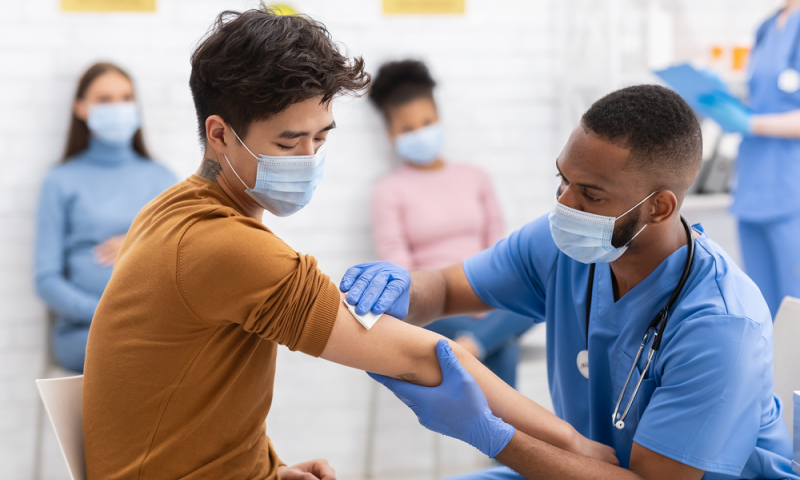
x=646, y=390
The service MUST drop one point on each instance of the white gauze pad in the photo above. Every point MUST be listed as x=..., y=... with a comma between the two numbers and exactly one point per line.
x=367, y=320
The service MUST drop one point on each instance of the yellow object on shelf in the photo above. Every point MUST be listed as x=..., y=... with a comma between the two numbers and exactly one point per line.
x=108, y=5
x=424, y=7
x=740, y=55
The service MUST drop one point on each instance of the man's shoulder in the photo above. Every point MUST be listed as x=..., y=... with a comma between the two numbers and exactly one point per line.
x=532, y=247
x=220, y=231
x=721, y=290
x=199, y=221
x=535, y=238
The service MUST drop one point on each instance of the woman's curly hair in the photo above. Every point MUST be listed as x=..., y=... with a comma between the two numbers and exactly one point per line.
x=398, y=83
x=253, y=65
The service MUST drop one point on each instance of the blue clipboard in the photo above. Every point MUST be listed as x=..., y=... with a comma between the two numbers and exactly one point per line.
x=693, y=84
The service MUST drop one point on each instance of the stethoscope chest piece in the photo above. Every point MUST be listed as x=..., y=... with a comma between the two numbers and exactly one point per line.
x=583, y=363
x=789, y=80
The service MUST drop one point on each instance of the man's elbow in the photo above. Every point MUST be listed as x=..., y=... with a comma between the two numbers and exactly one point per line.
x=427, y=371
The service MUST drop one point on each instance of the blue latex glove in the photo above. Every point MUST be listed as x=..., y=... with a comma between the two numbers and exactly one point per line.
x=380, y=287
x=456, y=408
x=713, y=77
x=728, y=112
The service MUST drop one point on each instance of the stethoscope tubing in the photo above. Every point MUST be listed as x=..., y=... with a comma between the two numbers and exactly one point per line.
x=658, y=325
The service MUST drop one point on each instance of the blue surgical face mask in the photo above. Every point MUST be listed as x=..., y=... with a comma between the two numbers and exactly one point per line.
x=586, y=237
x=421, y=146
x=114, y=123
x=284, y=185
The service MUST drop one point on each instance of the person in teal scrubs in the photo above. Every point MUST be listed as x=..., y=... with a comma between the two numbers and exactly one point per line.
x=88, y=203
x=700, y=406
x=767, y=195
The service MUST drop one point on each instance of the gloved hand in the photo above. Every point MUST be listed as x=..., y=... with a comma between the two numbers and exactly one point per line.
x=728, y=113
x=714, y=78
x=380, y=287
x=456, y=408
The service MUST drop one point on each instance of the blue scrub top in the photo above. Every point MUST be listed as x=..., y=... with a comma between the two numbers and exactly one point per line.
x=768, y=169
x=706, y=401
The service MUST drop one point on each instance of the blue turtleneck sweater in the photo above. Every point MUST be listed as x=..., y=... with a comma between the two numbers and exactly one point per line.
x=94, y=196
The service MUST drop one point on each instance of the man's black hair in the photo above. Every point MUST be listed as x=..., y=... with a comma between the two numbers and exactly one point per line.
x=255, y=64
x=658, y=127
x=398, y=83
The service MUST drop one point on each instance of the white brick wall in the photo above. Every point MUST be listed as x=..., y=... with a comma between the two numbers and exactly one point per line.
x=498, y=70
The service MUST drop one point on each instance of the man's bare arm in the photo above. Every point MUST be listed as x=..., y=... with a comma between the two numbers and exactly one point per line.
x=534, y=459
x=442, y=293
x=654, y=466
x=396, y=349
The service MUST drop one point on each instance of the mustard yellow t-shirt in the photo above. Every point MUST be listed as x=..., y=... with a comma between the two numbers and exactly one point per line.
x=181, y=355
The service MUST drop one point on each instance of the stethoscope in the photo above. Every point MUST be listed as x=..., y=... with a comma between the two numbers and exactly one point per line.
x=658, y=325
x=789, y=78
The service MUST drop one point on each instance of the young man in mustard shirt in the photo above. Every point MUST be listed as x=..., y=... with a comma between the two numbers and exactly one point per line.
x=181, y=354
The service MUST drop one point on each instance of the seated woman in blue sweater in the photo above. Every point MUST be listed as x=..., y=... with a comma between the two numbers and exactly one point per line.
x=88, y=203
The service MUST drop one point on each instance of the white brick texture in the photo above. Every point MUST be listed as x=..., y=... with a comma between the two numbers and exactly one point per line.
x=498, y=95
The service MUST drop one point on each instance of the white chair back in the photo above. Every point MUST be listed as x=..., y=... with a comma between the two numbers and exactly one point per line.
x=62, y=398
x=786, y=358
x=796, y=434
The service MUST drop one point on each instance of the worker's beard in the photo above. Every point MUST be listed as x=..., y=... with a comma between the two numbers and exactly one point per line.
x=626, y=228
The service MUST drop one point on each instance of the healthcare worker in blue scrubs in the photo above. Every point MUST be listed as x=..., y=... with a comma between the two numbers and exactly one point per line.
x=767, y=196
x=680, y=387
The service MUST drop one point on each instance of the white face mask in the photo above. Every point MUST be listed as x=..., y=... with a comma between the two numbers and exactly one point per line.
x=586, y=237
x=114, y=123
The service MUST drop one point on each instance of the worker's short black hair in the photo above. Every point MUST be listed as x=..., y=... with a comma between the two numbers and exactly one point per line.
x=658, y=127
x=401, y=82
x=253, y=65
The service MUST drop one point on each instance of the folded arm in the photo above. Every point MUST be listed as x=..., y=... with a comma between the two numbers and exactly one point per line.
x=60, y=294
x=533, y=458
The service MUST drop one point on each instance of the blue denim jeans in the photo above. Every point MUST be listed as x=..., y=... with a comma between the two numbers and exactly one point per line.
x=69, y=344
x=497, y=335
x=499, y=473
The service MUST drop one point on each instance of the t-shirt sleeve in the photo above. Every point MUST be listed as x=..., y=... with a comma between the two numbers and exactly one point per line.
x=706, y=412
x=513, y=274
x=232, y=270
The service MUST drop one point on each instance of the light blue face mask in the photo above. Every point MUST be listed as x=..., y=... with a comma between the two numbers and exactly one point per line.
x=586, y=237
x=421, y=146
x=114, y=123
x=284, y=185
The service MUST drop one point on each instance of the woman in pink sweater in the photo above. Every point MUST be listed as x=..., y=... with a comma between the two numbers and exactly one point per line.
x=429, y=214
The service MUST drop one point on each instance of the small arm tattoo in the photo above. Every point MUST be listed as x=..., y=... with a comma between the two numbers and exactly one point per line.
x=210, y=169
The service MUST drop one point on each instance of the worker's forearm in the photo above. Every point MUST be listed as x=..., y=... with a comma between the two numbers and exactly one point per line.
x=534, y=459
x=516, y=409
x=784, y=125
x=428, y=296
x=442, y=293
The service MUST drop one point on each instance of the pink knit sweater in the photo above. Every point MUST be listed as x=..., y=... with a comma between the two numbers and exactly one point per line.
x=429, y=219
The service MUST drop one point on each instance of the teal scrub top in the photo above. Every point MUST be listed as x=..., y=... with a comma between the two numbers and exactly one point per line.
x=768, y=169
x=707, y=399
